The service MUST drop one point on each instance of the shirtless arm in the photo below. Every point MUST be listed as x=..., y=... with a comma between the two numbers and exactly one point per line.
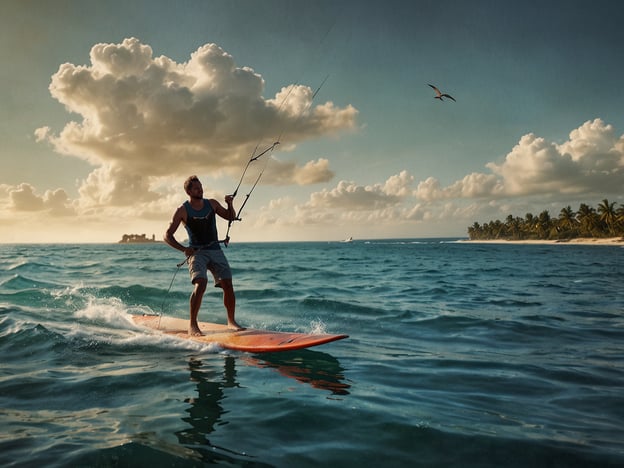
x=178, y=217
x=228, y=213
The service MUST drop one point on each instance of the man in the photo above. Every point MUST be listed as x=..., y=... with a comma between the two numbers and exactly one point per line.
x=204, y=252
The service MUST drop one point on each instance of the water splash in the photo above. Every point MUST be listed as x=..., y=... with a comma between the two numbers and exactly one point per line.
x=318, y=327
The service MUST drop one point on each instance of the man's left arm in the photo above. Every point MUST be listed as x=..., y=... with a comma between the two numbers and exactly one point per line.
x=228, y=213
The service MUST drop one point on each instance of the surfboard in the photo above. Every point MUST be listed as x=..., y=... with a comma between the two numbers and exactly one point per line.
x=250, y=340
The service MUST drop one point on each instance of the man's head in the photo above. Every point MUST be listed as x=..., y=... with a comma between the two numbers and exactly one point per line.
x=191, y=183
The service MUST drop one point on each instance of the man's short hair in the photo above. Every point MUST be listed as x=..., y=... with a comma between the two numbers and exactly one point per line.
x=188, y=182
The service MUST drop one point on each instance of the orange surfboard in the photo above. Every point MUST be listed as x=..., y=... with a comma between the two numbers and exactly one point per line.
x=249, y=340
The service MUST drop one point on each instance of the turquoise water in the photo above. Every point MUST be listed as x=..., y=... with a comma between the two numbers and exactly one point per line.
x=459, y=354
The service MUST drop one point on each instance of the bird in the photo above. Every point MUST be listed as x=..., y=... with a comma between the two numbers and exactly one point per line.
x=440, y=95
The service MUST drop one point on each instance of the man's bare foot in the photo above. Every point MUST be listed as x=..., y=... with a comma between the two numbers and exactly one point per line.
x=195, y=331
x=235, y=326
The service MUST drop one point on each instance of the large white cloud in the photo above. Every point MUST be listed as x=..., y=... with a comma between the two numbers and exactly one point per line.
x=591, y=162
x=144, y=117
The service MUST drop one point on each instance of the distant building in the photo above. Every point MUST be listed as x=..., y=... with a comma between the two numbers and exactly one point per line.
x=137, y=239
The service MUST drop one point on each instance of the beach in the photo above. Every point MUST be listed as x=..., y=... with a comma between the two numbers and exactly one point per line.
x=579, y=241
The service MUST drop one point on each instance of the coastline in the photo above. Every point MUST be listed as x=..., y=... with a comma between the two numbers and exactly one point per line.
x=579, y=241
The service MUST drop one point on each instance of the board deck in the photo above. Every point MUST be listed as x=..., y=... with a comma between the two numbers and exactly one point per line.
x=249, y=340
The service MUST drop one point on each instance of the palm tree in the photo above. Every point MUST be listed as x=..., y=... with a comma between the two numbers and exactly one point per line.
x=498, y=229
x=514, y=227
x=529, y=225
x=607, y=214
x=544, y=225
x=620, y=220
x=475, y=231
x=587, y=219
x=567, y=221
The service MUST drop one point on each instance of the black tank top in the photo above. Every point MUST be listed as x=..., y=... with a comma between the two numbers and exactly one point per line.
x=201, y=226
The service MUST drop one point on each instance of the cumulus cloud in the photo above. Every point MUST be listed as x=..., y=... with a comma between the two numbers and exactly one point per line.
x=112, y=186
x=144, y=117
x=473, y=185
x=596, y=148
x=287, y=172
x=23, y=198
x=590, y=162
x=398, y=185
x=349, y=202
x=382, y=206
x=351, y=196
x=536, y=166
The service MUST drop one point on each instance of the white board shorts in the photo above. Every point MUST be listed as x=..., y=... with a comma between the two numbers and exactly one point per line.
x=212, y=260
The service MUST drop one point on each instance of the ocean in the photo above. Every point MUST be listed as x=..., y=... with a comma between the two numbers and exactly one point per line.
x=459, y=354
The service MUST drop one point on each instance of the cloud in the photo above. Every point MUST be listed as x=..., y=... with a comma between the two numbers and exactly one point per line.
x=590, y=162
x=474, y=185
x=112, y=186
x=23, y=198
x=535, y=166
x=349, y=202
x=144, y=117
x=379, y=206
x=536, y=174
x=351, y=196
x=286, y=172
x=595, y=147
x=398, y=185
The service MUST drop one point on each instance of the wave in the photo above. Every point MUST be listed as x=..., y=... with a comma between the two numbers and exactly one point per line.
x=417, y=241
x=29, y=265
x=19, y=282
x=98, y=322
x=323, y=304
x=139, y=294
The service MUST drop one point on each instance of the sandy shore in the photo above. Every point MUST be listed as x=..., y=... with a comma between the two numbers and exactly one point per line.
x=579, y=241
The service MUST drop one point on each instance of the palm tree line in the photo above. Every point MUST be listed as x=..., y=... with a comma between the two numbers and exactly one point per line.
x=603, y=221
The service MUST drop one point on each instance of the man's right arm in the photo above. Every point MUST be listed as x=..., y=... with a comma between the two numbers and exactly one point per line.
x=169, y=236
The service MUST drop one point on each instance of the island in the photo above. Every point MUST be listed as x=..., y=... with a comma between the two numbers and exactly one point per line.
x=604, y=222
x=137, y=239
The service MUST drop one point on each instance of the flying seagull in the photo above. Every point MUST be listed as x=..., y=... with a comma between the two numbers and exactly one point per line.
x=440, y=95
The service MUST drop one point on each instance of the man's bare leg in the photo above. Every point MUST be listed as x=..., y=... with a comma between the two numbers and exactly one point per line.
x=229, y=301
x=195, y=304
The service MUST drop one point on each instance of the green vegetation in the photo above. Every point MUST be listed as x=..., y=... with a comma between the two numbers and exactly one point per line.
x=604, y=221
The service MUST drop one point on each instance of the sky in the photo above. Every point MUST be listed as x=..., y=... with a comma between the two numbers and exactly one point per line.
x=107, y=107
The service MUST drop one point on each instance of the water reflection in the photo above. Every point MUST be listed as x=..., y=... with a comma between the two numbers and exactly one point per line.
x=206, y=412
x=318, y=369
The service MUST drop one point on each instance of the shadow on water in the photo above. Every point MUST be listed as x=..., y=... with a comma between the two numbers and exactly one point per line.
x=318, y=369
